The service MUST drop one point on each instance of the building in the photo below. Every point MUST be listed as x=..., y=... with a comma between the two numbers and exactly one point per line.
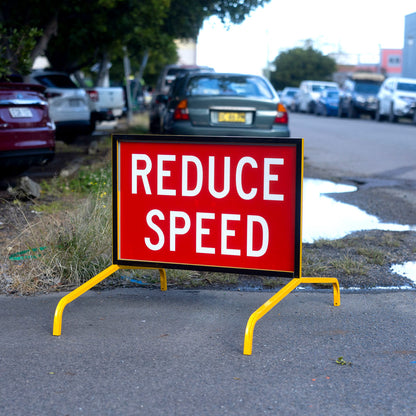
x=409, y=49
x=391, y=62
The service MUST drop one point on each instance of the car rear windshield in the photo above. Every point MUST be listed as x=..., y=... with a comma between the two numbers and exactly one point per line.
x=405, y=86
x=290, y=93
x=242, y=86
x=56, y=81
x=320, y=88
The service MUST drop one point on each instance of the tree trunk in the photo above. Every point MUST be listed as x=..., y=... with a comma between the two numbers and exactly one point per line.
x=50, y=30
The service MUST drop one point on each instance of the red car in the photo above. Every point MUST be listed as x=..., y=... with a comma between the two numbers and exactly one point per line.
x=27, y=134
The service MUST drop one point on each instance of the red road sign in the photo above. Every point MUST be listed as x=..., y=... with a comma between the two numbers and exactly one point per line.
x=208, y=203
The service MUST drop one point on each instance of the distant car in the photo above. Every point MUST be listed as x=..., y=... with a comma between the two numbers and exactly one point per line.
x=164, y=82
x=359, y=95
x=294, y=106
x=69, y=106
x=27, y=134
x=225, y=104
x=287, y=96
x=106, y=103
x=327, y=103
x=309, y=92
x=397, y=98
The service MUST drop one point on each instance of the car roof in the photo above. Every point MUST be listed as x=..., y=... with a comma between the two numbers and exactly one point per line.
x=402, y=79
x=222, y=74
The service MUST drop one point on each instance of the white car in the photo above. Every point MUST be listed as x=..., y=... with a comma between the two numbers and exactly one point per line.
x=309, y=93
x=397, y=98
x=287, y=96
x=69, y=105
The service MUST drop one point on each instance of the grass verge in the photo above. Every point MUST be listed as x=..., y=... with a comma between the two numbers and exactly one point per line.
x=64, y=238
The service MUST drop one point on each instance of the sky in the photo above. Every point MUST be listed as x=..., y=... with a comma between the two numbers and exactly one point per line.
x=357, y=28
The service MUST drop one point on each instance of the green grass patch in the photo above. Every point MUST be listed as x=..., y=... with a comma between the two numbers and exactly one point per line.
x=350, y=266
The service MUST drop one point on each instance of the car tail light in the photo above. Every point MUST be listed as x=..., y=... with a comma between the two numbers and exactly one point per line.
x=181, y=111
x=281, y=116
x=93, y=95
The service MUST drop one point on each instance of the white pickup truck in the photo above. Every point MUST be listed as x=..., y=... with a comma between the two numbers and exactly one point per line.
x=107, y=103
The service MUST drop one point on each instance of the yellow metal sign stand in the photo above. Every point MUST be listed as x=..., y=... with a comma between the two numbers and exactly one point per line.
x=57, y=321
x=274, y=300
x=255, y=316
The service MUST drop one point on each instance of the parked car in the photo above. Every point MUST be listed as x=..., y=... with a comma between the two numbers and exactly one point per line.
x=309, y=92
x=107, y=103
x=287, y=96
x=359, y=95
x=327, y=103
x=224, y=104
x=294, y=106
x=397, y=98
x=164, y=82
x=27, y=134
x=69, y=106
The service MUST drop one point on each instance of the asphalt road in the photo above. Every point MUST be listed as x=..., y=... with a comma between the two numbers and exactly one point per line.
x=358, y=147
x=147, y=352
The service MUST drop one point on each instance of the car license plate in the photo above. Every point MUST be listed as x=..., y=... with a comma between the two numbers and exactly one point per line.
x=231, y=117
x=20, y=112
x=74, y=102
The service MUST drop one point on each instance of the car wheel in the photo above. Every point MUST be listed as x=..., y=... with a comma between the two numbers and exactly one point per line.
x=414, y=117
x=378, y=116
x=92, y=126
x=392, y=116
x=311, y=107
x=352, y=111
x=340, y=113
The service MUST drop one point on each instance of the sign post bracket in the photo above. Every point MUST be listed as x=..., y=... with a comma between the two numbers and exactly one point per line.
x=57, y=321
x=275, y=299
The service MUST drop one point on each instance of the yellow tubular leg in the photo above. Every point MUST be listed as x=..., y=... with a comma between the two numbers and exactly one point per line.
x=325, y=280
x=57, y=322
x=260, y=312
x=163, y=280
x=274, y=300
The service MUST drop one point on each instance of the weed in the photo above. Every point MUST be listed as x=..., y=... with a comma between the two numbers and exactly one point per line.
x=341, y=361
x=372, y=255
x=349, y=266
x=78, y=246
x=312, y=265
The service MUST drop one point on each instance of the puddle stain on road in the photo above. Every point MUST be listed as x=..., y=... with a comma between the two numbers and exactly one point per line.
x=325, y=218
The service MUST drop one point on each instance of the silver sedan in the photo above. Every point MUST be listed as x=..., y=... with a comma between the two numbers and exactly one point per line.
x=224, y=104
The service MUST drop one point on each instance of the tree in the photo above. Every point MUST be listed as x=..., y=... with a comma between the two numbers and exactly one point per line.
x=76, y=34
x=298, y=64
x=16, y=46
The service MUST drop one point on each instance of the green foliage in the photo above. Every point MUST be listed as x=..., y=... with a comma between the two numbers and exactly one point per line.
x=16, y=46
x=298, y=64
x=90, y=32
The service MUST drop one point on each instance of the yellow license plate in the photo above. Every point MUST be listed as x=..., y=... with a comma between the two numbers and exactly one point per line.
x=230, y=117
